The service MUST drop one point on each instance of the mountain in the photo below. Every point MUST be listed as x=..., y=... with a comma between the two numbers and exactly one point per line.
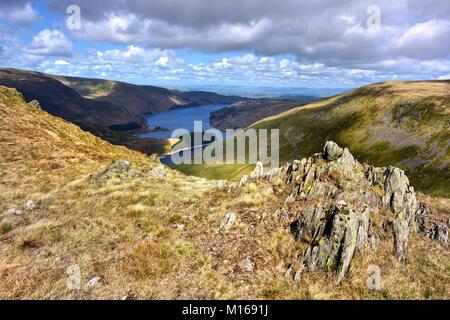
x=141, y=99
x=65, y=102
x=103, y=104
x=405, y=124
x=81, y=218
x=243, y=113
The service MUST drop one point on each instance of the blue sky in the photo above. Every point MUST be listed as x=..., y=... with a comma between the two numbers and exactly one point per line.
x=283, y=43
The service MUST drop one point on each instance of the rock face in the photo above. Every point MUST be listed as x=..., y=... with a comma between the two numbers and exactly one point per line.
x=347, y=196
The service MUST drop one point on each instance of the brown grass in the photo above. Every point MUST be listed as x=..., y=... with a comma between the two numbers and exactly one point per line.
x=152, y=238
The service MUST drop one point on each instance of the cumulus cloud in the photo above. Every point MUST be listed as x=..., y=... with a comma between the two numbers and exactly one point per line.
x=18, y=12
x=50, y=43
x=334, y=33
x=282, y=41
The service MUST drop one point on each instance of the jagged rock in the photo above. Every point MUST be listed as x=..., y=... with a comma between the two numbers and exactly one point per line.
x=429, y=228
x=31, y=205
x=374, y=242
x=289, y=274
x=332, y=151
x=258, y=172
x=228, y=221
x=272, y=173
x=333, y=232
x=441, y=234
x=248, y=265
x=401, y=234
x=299, y=273
x=349, y=194
x=243, y=181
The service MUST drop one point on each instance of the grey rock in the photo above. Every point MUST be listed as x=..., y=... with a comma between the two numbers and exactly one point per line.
x=289, y=274
x=332, y=151
x=14, y=212
x=298, y=274
x=333, y=233
x=430, y=228
x=348, y=194
x=248, y=265
x=401, y=234
x=31, y=205
x=221, y=185
x=228, y=221
x=258, y=172
x=118, y=169
x=93, y=282
x=158, y=172
x=243, y=182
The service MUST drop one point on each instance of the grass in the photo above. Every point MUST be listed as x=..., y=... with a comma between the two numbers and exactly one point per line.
x=393, y=123
x=127, y=230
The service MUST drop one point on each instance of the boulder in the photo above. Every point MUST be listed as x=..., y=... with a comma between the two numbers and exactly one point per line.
x=228, y=221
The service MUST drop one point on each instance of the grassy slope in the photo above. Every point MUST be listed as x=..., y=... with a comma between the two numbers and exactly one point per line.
x=148, y=237
x=395, y=123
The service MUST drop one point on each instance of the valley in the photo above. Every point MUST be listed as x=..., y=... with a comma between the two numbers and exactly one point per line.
x=136, y=229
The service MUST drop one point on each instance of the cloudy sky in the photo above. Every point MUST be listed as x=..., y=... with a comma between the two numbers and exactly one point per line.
x=293, y=43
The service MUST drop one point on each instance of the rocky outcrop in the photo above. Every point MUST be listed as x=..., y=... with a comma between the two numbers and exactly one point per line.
x=429, y=227
x=348, y=195
x=121, y=169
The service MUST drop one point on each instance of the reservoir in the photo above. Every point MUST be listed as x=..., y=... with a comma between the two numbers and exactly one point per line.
x=179, y=118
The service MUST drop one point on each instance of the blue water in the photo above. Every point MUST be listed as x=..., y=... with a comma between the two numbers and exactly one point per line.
x=181, y=118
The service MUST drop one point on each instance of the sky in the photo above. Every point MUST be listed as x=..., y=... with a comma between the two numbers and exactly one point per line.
x=273, y=43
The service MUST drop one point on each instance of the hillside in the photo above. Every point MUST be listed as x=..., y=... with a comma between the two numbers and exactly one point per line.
x=394, y=123
x=135, y=229
x=243, y=113
x=65, y=102
x=142, y=99
x=102, y=104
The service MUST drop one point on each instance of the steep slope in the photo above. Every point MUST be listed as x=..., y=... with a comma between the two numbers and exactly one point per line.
x=97, y=104
x=243, y=113
x=406, y=124
x=141, y=99
x=65, y=102
x=83, y=219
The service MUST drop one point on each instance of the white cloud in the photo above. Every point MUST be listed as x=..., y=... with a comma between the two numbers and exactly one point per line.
x=18, y=12
x=50, y=43
x=428, y=39
x=61, y=62
x=26, y=14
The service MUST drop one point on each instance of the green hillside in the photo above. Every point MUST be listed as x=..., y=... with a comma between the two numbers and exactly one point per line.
x=394, y=123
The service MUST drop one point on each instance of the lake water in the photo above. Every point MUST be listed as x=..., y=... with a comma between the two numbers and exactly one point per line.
x=180, y=118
